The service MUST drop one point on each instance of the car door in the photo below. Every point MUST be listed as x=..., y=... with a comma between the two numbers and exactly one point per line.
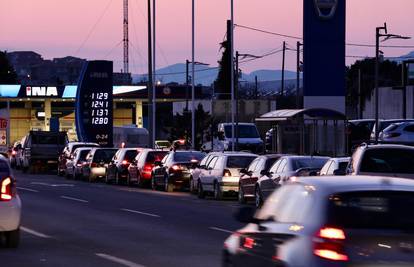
x=265, y=182
x=246, y=180
x=216, y=173
x=161, y=170
x=206, y=175
x=133, y=167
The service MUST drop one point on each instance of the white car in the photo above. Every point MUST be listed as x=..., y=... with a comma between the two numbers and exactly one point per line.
x=398, y=133
x=10, y=206
x=195, y=173
x=74, y=163
x=222, y=174
x=335, y=166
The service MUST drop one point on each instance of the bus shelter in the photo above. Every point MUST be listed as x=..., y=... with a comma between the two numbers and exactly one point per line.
x=315, y=131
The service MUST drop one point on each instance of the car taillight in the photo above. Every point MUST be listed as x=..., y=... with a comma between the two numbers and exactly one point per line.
x=391, y=135
x=79, y=165
x=94, y=164
x=226, y=173
x=6, y=189
x=176, y=167
x=14, y=153
x=248, y=242
x=328, y=244
x=147, y=167
x=125, y=162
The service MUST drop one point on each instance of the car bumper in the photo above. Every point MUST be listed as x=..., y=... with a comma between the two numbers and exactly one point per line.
x=182, y=178
x=98, y=172
x=10, y=214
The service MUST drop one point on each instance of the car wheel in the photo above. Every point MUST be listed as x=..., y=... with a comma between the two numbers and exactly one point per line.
x=128, y=181
x=167, y=186
x=241, y=198
x=258, y=197
x=117, y=180
x=107, y=180
x=12, y=238
x=217, y=191
x=200, y=192
x=140, y=182
x=153, y=184
x=193, y=189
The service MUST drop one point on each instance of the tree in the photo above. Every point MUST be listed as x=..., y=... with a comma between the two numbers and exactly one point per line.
x=389, y=75
x=7, y=73
x=181, y=128
x=222, y=84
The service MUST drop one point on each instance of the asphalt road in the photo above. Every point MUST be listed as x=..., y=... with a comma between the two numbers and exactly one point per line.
x=75, y=223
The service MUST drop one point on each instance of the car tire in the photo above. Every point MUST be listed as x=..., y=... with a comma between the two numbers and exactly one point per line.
x=200, y=192
x=140, y=182
x=258, y=199
x=193, y=189
x=117, y=180
x=128, y=180
x=240, y=196
x=12, y=238
x=167, y=186
x=107, y=180
x=218, y=194
x=153, y=184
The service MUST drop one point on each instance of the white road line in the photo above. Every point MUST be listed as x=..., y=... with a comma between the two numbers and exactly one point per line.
x=27, y=189
x=142, y=213
x=75, y=199
x=118, y=260
x=33, y=232
x=221, y=230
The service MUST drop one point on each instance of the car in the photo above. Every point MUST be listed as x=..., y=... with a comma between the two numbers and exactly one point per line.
x=383, y=159
x=359, y=131
x=140, y=168
x=248, y=137
x=384, y=124
x=97, y=160
x=42, y=150
x=174, y=170
x=330, y=221
x=67, y=153
x=195, y=173
x=252, y=173
x=10, y=206
x=117, y=169
x=162, y=144
x=20, y=153
x=398, y=133
x=335, y=166
x=222, y=174
x=74, y=163
x=283, y=170
x=13, y=154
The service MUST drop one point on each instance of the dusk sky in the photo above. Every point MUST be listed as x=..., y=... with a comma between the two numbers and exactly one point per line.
x=57, y=28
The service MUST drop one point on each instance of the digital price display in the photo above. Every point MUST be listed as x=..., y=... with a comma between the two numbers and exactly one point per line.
x=94, y=106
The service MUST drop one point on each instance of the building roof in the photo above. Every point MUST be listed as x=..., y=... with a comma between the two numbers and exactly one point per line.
x=312, y=113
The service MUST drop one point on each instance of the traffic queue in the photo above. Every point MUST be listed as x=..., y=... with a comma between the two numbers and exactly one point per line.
x=305, y=210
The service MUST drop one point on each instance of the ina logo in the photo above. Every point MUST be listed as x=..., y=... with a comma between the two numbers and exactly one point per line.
x=41, y=91
x=326, y=8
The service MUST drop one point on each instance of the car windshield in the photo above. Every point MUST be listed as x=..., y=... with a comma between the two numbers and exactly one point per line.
x=239, y=161
x=245, y=131
x=104, y=155
x=388, y=160
x=372, y=209
x=314, y=163
x=155, y=156
x=188, y=156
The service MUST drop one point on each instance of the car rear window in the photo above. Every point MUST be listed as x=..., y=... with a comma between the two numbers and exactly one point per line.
x=130, y=154
x=308, y=163
x=83, y=154
x=104, y=155
x=188, y=156
x=388, y=160
x=155, y=156
x=239, y=161
x=372, y=209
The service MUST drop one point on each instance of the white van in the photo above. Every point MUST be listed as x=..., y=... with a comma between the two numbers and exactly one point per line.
x=130, y=136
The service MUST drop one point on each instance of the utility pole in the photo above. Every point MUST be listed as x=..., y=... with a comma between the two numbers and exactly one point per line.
x=404, y=92
x=154, y=88
x=126, y=39
x=150, y=79
x=193, y=133
x=283, y=69
x=359, y=94
x=187, y=62
x=236, y=96
x=255, y=87
x=298, y=45
x=232, y=73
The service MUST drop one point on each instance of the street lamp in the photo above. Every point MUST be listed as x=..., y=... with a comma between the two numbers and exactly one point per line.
x=387, y=36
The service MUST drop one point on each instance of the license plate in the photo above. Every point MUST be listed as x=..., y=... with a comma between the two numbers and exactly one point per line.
x=52, y=161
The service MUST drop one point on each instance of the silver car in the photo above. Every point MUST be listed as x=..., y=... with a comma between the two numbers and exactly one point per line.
x=74, y=163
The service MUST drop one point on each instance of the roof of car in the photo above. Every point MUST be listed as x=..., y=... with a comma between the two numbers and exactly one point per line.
x=332, y=184
x=236, y=153
x=386, y=146
x=305, y=157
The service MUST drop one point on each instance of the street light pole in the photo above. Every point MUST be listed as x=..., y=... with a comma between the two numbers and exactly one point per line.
x=186, y=84
x=192, y=76
x=233, y=107
x=154, y=88
x=150, y=79
x=298, y=45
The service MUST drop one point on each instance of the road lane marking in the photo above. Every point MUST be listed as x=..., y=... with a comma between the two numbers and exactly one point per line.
x=118, y=260
x=220, y=230
x=52, y=185
x=142, y=213
x=75, y=199
x=33, y=232
x=27, y=189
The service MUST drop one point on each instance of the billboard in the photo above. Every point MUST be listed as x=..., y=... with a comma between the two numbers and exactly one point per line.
x=94, y=106
x=324, y=54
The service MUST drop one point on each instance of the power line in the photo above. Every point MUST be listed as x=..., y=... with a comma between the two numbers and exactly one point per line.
x=300, y=38
x=93, y=27
x=112, y=49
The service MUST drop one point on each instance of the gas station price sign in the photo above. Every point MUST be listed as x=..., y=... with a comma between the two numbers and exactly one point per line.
x=94, y=106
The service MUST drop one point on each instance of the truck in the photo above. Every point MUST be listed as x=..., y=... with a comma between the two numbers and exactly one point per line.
x=41, y=150
x=248, y=139
x=130, y=136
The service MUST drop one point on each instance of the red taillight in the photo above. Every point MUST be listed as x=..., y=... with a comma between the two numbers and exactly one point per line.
x=328, y=244
x=14, y=153
x=125, y=162
x=94, y=164
x=176, y=167
x=248, y=242
x=226, y=173
x=148, y=167
x=6, y=189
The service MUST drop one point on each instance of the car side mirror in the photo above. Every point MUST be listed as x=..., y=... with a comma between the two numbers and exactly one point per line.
x=245, y=214
x=339, y=172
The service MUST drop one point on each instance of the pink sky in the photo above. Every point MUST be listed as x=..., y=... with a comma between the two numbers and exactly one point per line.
x=57, y=28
